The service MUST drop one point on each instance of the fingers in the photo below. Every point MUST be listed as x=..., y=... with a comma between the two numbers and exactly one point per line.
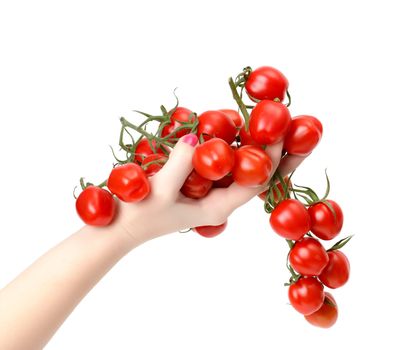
x=173, y=174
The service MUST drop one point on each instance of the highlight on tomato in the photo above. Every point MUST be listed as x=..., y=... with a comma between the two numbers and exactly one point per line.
x=306, y=295
x=266, y=83
x=216, y=124
x=337, y=271
x=326, y=219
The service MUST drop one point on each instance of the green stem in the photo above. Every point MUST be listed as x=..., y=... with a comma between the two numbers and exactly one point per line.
x=240, y=103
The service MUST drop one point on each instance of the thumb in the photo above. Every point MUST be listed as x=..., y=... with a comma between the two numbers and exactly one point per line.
x=173, y=174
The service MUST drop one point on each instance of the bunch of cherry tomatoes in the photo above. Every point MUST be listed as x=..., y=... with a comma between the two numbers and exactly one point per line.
x=231, y=150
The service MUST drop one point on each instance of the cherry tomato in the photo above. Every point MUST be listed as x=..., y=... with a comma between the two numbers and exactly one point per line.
x=157, y=161
x=196, y=186
x=143, y=149
x=246, y=138
x=263, y=195
x=213, y=159
x=308, y=257
x=216, y=124
x=179, y=116
x=252, y=167
x=326, y=316
x=96, y=206
x=237, y=119
x=290, y=219
x=269, y=122
x=224, y=182
x=306, y=295
x=210, y=231
x=303, y=135
x=129, y=182
x=337, y=271
x=266, y=83
x=324, y=224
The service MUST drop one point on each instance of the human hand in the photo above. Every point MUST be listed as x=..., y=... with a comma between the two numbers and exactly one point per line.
x=167, y=210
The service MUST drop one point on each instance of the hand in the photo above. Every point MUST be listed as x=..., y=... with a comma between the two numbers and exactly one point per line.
x=167, y=210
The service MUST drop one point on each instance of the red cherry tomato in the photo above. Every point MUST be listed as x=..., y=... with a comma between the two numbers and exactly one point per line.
x=269, y=122
x=326, y=316
x=308, y=257
x=280, y=187
x=179, y=116
x=306, y=295
x=210, y=231
x=246, y=138
x=290, y=219
x=266, y=83
x=213, y=159
x=196, y=186
x=129, y=182
x=337, y=271
x=216, y=124
x=96, y=206
x=324, y=224
x=303, y=135
x=224, y=182
x=252, y=167
x=153, y=163
x=237, y=119
x=143, y=149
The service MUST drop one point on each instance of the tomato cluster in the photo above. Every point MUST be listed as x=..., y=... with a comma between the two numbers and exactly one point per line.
x=232, y=149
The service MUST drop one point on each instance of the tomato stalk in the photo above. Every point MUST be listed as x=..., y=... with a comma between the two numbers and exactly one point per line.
x=240, y=103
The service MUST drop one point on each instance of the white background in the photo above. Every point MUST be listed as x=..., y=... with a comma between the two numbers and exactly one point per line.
x=69, y=70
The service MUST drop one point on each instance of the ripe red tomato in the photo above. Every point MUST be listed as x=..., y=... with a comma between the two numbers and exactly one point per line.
x=216, y=124
x=308, y=257
x=158, y=159
x=303, y=135
x=196, y=186
x=143, y=149
x=224, y=182
x=266, y=83
x=179, y=116
x=306, y=295
x=246, y=138
x=213, y=159
x=263, y=195
x=210, y=231
x=290, y=219
x=324, y=224
x=269, y=122
x=96, y=206
x=129, y=182
x=326, y=316
x=237, y=119
x=252, y=167
x=337, y=271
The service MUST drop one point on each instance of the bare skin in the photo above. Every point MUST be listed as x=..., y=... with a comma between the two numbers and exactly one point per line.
x=35, y=304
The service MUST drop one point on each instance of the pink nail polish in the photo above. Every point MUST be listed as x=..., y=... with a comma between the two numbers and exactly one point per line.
x=190, y=139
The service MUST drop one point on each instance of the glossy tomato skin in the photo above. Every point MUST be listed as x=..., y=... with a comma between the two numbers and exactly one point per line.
x=210, y=231
x=96, y=206
x=158, y=159
x=196, y=186
x=303, y=135
x=252, y=166
x=324, y=224
x=179, y=116
x=306, y=295
x=129, y=182
x=224, y=182
x=326, y=316
x=266, y=83
x=337, y=271
x=246, y=138
x=290, y=219
x=213, y=159
x=237, y=119
x=143, y=150
x=280, y=187
x=216, y=124
x=308, y=257
x=269, y=122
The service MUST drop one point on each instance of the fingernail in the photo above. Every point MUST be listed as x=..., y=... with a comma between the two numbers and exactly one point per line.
x=190, y=139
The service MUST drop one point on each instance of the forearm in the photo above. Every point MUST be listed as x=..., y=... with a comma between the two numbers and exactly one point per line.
x=37, y=302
